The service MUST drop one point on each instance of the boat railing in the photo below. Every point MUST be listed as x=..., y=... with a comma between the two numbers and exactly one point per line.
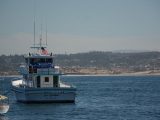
x=42, y=65
x=48, y=71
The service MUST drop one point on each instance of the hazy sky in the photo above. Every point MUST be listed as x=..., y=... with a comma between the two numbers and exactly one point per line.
x=80, y=25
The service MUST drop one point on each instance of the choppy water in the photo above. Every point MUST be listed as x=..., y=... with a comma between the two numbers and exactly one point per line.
x=98, y=98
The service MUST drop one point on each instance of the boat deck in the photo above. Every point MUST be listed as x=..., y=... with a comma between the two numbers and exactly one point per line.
x=20, y=83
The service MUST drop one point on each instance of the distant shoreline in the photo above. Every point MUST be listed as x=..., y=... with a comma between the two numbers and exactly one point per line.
x=144, y=73
x=124, y=74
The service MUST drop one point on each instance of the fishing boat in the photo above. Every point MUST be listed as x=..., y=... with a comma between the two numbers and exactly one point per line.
x=41, y=80
x=4, y=101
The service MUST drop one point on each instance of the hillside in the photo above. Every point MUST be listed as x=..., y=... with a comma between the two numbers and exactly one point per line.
x=93, y=62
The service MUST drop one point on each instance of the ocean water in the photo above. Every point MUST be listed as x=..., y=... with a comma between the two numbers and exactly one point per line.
x=98, y=98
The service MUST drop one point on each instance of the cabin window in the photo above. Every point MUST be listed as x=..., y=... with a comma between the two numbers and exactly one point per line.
x=38, y=81
x=30, y=69
x=32, y=61
x=46, y=79
x=49, y=60
x=42, y=60
x=55, y=81
x=26, y=60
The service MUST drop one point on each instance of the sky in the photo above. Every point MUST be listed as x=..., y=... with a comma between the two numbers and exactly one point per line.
x=75, y=26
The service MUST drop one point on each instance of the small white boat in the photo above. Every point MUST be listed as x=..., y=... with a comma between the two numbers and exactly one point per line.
x=4, y=106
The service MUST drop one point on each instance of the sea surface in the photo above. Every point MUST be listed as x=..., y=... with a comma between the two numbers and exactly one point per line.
x=98, y=98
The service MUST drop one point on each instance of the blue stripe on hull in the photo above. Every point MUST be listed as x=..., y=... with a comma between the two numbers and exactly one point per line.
x=48, y=101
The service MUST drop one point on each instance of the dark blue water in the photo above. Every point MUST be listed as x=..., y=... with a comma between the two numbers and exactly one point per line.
x=98, y=98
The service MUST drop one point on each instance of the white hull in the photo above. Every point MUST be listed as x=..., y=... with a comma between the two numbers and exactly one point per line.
x=4, y=108
x=30, y=95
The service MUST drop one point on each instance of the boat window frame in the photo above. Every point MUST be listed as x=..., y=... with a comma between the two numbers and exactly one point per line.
x=46, y=79
x=40, y=60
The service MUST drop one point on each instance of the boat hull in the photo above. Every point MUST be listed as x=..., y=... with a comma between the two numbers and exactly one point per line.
x=44, y=95
x=4, y=108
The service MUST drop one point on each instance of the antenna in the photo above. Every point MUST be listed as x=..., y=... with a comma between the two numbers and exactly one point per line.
x=40, y=42
x=46, y=34
x=34, y=24
x=34, y=31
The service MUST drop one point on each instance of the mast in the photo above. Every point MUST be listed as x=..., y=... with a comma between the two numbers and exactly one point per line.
x=34, y=31
x=34, y=39
x=39, y=45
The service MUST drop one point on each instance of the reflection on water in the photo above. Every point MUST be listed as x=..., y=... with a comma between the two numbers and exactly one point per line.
x=3, y=117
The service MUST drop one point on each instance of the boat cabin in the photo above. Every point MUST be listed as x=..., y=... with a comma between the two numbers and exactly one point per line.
x=42, y=72
x=44, y=81
x=35, y=63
